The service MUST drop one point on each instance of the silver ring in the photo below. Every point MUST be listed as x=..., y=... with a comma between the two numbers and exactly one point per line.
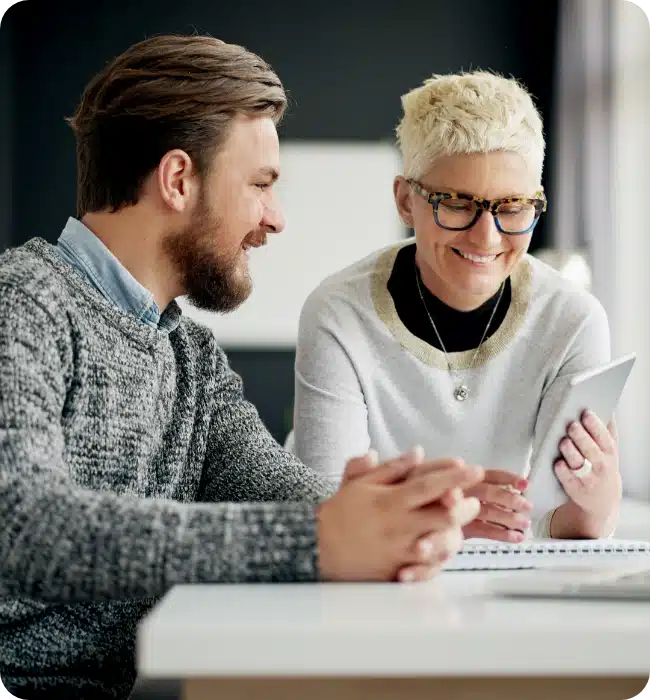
x=584, y=469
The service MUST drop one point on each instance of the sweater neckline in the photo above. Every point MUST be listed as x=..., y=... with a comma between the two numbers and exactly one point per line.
x=123, y=321
x=385, y=307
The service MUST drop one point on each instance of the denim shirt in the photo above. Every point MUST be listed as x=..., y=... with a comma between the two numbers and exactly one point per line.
x=79, y=246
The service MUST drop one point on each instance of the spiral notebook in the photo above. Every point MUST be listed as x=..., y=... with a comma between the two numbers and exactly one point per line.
x=544, y=554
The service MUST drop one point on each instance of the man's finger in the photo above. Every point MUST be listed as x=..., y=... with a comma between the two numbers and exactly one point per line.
x=430, y=554
x=402, y=467
x=417, y=467
x=430, y=521
x=435, y=548
x=450, y=498
x=422, y=489
x=435, y=521
x=422, y=467
x=417, y=573
x=395, y=470
x=431, y=550
x=389, y=473
x=360, y=466
x=465, y=511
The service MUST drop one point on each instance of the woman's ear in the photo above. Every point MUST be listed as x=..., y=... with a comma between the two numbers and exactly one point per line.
x=403, y=200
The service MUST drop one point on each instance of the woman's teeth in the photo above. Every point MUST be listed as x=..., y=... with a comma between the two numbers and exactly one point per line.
x=476, y=258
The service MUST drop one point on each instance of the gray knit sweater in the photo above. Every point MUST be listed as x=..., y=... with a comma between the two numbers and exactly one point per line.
x=129, y=462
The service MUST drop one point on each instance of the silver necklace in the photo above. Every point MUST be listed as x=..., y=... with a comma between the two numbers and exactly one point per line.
x=461, y=392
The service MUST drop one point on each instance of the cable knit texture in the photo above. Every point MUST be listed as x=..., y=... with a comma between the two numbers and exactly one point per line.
x=129, y=462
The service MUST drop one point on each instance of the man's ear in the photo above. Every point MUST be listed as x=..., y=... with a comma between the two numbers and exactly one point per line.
x=176, y=180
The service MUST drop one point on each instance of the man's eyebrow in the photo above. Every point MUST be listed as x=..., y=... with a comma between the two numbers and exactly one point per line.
x=270, y=172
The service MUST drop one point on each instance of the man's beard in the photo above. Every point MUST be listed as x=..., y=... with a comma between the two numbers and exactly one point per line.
x=210, y=282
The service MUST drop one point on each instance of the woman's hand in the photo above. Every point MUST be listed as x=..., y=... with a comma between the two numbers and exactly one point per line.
x=505, y=513
x=598, y=493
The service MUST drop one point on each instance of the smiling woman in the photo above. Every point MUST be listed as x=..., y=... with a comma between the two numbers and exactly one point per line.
x=463, y=254
x=457, y=339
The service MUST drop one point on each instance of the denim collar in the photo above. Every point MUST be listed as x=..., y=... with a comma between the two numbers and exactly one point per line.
x=80, y=247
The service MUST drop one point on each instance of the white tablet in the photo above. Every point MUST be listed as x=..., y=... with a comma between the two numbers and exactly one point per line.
x=596, y=389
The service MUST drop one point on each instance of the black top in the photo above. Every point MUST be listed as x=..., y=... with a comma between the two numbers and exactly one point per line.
x=459, y=330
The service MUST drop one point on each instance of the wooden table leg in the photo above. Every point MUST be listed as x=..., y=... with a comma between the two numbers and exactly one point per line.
x=413, y=688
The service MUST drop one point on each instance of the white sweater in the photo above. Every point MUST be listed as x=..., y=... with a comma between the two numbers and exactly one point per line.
x=364, y=380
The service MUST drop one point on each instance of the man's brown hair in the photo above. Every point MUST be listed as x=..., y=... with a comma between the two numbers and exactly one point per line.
x=164, y=93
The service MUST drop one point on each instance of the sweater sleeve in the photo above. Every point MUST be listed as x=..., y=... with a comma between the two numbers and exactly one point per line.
x=330, y=414
x=243, y=460
x=60, y=542
x=589, y=348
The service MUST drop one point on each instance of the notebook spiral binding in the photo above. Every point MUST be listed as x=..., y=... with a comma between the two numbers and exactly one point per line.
x=559, y=548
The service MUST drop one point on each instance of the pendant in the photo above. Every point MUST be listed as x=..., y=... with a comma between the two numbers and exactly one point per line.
x=461, y=392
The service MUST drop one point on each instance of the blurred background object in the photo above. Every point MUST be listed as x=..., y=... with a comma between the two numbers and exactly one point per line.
x=332, y=200
x=572, y=264
x=581, y=218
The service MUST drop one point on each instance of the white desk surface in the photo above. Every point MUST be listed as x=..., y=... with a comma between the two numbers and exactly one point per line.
x=448, y=627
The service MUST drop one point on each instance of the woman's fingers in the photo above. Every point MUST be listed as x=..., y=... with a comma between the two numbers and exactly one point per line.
x=580, y=446
x=479, y=528
x=505, y=518
x=498, y=495
x=604, y=436
x=501, y=477
x=574, y=486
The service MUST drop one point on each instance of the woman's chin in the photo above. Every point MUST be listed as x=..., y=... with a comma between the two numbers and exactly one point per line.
x=473, y=293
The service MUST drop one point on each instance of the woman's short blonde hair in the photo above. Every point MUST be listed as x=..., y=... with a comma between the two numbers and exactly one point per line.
x=473, y=112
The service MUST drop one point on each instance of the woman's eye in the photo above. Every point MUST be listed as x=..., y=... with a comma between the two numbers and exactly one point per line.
x=456, y=205
x=263, y=185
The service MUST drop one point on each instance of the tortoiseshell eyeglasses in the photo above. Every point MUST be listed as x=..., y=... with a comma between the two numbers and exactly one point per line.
x=458, y=212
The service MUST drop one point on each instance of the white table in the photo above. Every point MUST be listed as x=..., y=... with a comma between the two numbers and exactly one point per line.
x=446, y=639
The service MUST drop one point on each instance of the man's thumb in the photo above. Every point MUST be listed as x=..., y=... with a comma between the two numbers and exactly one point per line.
x=360, y=466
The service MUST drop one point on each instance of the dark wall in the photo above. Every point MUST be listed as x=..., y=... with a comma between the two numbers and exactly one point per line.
x=345, y=65
x=7, y=107
x=268, y=383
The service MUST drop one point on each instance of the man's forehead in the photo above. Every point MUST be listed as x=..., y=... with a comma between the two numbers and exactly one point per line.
x=254, y=138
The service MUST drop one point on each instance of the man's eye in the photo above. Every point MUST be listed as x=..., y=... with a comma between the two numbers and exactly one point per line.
x=263, y=185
